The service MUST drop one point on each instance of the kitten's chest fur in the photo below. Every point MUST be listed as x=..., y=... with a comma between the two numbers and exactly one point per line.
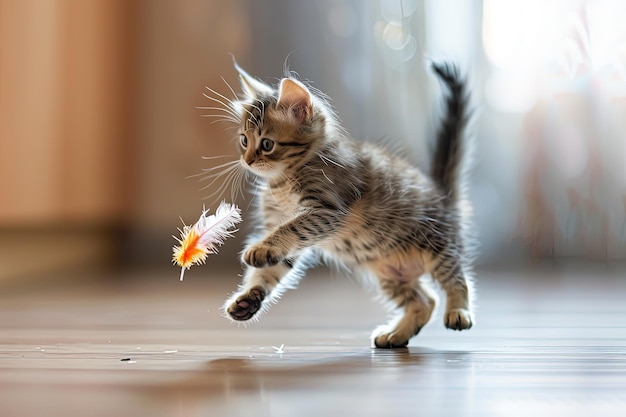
x=279, y=202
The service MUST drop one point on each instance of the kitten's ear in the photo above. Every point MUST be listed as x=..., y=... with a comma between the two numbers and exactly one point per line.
x=251, y=86
x=295, y=97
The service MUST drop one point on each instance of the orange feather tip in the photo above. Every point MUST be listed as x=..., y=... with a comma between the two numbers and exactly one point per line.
x=202, y=238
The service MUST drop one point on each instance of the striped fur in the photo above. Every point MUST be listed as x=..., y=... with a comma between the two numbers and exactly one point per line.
x=323, y=195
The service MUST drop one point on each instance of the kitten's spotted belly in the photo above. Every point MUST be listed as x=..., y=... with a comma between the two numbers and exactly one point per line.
x=381, y=257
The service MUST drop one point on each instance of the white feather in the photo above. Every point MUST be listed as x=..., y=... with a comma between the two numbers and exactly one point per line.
x=214, y=229
x=211, y=231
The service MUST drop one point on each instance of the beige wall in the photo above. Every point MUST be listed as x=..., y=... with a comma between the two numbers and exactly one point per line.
x=65, y=73
x=98, y=121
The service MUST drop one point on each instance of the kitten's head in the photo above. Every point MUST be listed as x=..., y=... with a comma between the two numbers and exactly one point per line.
x=281, y=128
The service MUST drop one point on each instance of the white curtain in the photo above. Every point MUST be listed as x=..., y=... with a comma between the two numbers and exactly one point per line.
x=548, y=83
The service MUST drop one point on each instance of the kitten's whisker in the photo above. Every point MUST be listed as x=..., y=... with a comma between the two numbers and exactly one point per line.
x=233, y=186
x=229, y=105
x=216, y=176
x=326, y=159
x=260, y=109
x=230, y=102
x=209, y=184
x=243, y=180
x=206, y=158
x=219, y=173
x=253, y=121
x=326, y=176
x=206, y=171
x=290, y=180
x=235, y=96
x=222, y=117
x=225, y=107
x=236, y=99
x=222, y=187
x=229, y=127
x=226, y=164
x=229, y=112
x=254, y=105
x=236, y=184
x=230, y=180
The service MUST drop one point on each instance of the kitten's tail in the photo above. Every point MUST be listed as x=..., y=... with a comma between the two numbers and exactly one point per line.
x=451, y=148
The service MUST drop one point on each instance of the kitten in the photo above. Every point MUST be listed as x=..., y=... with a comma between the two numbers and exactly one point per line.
x=323, y=195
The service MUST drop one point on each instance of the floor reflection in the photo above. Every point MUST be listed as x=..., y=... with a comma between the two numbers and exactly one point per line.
x=552, y=348
x=337, y=380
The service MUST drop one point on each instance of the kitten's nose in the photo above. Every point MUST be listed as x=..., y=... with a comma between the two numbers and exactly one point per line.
x=249, y=157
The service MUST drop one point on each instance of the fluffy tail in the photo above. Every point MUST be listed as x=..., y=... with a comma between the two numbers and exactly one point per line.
x=451, y=147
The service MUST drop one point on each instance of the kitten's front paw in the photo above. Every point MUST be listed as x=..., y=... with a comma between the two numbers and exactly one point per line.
x=246, y=305
x=390, y=341
x=261, y=255
x=459, y=319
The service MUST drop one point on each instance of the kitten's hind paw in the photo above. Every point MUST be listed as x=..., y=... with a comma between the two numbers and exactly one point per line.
x=390, y=341
x=459, y=319
x=383, y=338
x=246, y=305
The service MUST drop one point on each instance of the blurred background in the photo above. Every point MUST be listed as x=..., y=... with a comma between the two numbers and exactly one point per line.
x=100, y=130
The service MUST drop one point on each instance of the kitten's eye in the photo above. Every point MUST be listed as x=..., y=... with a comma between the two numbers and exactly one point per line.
x=267, y=144
x=244, y=141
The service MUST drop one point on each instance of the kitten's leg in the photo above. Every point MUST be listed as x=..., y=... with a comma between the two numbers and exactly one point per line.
x=303, y=231
x=448, y=270
x=415, y=304
x=255, y=290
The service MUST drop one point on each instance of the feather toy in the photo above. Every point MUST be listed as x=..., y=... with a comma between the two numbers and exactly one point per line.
x=203, y=238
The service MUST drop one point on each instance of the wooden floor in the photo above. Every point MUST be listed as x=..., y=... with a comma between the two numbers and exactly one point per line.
x=547, y=343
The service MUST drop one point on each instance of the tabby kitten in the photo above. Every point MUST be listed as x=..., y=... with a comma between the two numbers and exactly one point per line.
x=323, y=195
